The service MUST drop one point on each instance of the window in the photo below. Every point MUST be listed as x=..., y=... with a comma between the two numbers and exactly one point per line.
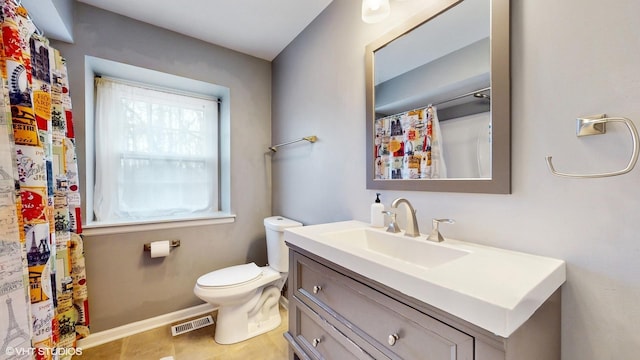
x=156, y=153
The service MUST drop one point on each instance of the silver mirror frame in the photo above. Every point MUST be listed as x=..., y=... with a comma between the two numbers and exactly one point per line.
x=500, y=182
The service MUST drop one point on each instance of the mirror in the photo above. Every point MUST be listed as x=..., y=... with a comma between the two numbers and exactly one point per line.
x=438, y=101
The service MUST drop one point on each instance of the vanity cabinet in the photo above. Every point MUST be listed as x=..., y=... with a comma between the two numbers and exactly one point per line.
x=335, y=313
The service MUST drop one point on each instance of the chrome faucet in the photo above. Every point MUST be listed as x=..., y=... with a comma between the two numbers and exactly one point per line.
x=412, y=222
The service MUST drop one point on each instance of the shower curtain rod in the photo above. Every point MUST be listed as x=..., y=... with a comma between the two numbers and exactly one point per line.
x=476, y=93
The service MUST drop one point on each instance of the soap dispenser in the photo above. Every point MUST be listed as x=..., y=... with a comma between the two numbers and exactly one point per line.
x=377, y=215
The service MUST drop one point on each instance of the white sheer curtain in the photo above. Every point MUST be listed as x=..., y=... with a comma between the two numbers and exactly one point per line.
x=156, y=153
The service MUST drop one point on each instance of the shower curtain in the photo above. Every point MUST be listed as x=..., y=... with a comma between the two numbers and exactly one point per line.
x=43, y=297
x=409, y=146
x=436, y=169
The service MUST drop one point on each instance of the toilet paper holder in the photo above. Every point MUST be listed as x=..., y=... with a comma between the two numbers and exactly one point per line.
x=173, y=243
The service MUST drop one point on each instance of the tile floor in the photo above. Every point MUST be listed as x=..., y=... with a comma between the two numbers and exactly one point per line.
x=195, y=345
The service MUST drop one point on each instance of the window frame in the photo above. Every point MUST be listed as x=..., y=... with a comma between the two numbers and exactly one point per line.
x=101, y=67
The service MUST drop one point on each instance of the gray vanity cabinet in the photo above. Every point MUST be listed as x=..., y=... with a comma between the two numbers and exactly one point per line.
x=337, y=314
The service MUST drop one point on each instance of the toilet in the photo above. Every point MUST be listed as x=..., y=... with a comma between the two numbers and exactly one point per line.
x=247, y=296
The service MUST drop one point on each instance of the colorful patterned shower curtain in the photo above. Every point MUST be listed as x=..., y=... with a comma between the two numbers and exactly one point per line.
x=43, y=297
x=408, y=146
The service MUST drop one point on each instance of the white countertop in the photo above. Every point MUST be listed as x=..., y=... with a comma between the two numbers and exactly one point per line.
x=493, y=288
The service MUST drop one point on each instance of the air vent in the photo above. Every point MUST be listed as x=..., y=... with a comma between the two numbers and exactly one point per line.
x=191, y=325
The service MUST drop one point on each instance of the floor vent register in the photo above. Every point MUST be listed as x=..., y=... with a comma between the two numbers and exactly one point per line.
x=191, y=325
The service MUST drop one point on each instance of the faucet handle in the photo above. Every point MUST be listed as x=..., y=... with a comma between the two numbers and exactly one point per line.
x=393, y=225
x=438, y=221
x=435, y=232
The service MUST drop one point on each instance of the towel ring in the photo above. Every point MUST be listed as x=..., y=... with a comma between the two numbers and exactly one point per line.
x=595, y=125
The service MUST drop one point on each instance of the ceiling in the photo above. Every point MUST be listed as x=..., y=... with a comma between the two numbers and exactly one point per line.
x=261, y=28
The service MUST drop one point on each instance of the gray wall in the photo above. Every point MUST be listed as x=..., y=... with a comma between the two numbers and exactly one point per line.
x=451, y=75
x=125, y=285
x=569, y=58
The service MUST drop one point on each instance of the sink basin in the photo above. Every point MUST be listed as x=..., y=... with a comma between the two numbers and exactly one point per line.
x=417, y=251
x=495, y=289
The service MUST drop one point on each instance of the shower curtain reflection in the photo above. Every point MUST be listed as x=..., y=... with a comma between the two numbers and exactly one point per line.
x=409, y=145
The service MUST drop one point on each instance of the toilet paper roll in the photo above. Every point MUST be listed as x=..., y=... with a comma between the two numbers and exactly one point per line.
x=160, y=248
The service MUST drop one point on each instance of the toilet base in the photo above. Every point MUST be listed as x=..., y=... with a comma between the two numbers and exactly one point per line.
x=244, y=321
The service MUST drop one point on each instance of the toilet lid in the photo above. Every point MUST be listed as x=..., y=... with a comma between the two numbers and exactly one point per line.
x=233, y=275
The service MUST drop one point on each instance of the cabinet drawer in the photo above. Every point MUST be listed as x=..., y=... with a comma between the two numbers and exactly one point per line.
x=320, y=340
x=395, y=328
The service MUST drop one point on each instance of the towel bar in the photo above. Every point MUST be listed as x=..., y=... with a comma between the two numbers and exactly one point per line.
x=310, y=139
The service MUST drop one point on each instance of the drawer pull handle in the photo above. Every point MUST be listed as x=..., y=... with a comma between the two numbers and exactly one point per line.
x=392, y=339
x=316, y=289
x=316, y=341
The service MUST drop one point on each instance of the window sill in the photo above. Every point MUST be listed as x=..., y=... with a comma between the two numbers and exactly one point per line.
x=94, y=229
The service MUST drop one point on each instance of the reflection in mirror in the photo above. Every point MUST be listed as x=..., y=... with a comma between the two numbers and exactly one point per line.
x=433, y=116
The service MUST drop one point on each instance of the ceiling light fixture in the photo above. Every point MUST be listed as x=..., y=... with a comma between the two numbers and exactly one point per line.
x=374, y=11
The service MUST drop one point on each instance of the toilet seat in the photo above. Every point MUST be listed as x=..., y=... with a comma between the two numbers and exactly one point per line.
x=231, y=276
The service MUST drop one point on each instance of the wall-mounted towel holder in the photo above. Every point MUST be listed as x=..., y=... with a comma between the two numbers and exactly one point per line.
x=596, y=125
x=310, y=139
x=174, y=243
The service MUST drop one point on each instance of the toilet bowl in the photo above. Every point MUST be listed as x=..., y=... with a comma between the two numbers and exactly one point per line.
x=247, y=295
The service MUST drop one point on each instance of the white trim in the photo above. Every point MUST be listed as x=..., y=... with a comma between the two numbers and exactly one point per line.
x=96, y=66
x=107, y=229
x=103, y=337
x=120, y=332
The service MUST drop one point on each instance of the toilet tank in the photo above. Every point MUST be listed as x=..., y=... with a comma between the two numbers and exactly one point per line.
x=277, y=251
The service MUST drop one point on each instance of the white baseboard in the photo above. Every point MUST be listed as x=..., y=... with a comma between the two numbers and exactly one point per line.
x=120, y=332
x=123, y=331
